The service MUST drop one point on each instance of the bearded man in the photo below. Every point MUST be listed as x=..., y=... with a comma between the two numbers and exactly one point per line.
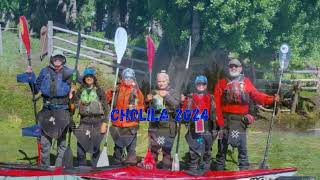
x=232, y=96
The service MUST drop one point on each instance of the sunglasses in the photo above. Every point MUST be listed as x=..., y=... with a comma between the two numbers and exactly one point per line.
x=233, y=66
x=58, y=59
x=201, y=84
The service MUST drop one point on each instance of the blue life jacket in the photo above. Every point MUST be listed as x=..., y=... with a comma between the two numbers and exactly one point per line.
x=52, y=84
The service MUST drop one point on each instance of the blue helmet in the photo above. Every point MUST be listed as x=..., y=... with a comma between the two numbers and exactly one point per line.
x=201, y=79
x=128, y=73
x=89, y=72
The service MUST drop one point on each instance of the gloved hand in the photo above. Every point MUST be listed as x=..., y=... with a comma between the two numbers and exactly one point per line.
x=248, y=119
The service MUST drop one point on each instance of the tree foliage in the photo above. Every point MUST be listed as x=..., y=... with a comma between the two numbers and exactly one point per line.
x=252, y=29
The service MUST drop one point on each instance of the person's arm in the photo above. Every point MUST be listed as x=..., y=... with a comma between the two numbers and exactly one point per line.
x=184, y=103
x=104, y=104
x=217, y=99
x=38, y=82
x=108, y=96
x=212, y=115
x=258, y=97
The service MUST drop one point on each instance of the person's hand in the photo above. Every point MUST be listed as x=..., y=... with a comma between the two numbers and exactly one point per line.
x=103, y=128
x=149, y=97
x=163, y=93
x=276, y=98
x=72, y=91
x=182, y=98
x=29, y=69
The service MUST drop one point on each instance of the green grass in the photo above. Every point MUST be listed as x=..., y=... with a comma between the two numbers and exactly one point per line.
x=288, y=149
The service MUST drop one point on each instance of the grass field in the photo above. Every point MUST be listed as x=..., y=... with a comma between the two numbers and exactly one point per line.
x=299, y=150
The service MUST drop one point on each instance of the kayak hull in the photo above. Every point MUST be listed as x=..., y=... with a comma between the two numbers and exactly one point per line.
x=132, y=172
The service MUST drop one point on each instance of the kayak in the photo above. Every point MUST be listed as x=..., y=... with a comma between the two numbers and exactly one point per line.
x=133, y=172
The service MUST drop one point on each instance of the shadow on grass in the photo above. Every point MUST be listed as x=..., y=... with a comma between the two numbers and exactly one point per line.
x=31, y=160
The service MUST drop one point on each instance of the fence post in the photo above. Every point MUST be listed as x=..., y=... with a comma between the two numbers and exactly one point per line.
x=50, y=38
x=297, y=89
x=20, y=39
x=318, y=80
x=1, y=48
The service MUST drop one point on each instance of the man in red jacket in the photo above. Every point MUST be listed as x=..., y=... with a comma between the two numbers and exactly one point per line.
x=232, y=96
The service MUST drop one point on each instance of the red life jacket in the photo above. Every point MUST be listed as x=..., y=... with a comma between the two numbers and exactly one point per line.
x=235, y=93
x=201, y=102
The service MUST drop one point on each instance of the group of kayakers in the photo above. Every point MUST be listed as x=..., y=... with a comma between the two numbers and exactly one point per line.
x=228, y=115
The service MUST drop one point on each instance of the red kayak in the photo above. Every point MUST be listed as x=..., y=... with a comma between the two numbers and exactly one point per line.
x=132, y=172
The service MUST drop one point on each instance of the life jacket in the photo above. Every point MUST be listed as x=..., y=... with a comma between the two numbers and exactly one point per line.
x=202, y=102
x=157, y=103
x=234, y=92
x=90, y=104
x=53, y=85
x=127, y=97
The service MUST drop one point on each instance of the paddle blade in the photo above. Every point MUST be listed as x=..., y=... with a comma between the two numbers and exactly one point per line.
x=68, y=158
x=284, y=56
x=150, y=52
x=32, y=131
x=175, y=163
x=120, y=43
x=148, y=161
x=103, y=159
x=189, y=53
x=25, y=34
x=26, y=77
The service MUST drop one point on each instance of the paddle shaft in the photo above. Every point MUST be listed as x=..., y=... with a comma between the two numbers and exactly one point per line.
x=186, y=70
x=150, y=74
x=77, y=55
x=266, y=152
x=112, y=103
x=34, y=103
x=178, y=140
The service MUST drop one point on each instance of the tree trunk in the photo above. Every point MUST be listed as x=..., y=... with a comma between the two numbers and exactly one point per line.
x=174, y=62
x=73, y=10
x=123, y=6
x=100, y=13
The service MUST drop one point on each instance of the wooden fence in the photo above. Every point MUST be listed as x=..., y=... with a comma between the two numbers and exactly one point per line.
x=21, y=49
x=51, y=45
x=297, y=84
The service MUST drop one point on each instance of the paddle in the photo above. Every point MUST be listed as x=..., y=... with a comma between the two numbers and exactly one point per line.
x=29, y=77
x=150, y=54
x=175, y=161
x=68, y=156
x=284, y=58
x=149, y=162
x=120, y=44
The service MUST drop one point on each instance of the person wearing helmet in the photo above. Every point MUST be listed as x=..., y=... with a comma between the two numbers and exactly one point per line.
x=232, y=95
x=54, y=83
x=124, y=132
x=163, y=133
x=93, y=116
x=201, y=132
